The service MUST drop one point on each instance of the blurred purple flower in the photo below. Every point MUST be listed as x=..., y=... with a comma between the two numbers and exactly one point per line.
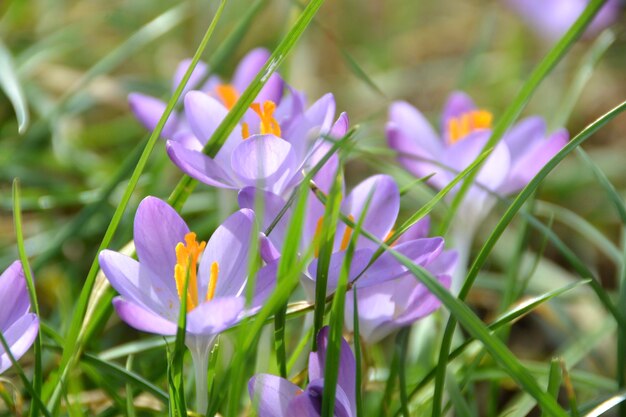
x=148, y=110
x=18, y=325
x=386, y=307
x=379, y=220
x=517, y=158
x=278, y=397
x=552, y=18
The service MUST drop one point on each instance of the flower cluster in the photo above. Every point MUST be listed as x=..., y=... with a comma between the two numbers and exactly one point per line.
x=278, y=139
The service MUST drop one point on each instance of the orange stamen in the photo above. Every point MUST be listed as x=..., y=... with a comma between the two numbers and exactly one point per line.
x=187, y=256
x=347, y=235
x=215, y=271
x=227, y=94
x=269, y=125
x=245, y=130
x=461, y=126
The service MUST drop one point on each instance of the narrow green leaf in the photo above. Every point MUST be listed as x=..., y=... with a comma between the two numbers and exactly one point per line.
x=357, y=354
x=30, y=282
x=10, y=84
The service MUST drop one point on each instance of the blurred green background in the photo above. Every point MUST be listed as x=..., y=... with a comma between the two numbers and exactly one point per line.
x=76, y=62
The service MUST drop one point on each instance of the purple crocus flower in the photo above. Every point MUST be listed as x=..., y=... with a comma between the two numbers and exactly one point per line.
x=18, y=325
x=278, y=397
x=379, y=220
x=148, y=109
x=151, y=288
x=465, y=129
x=386, y=307
x=552, y=18
x=268, y=149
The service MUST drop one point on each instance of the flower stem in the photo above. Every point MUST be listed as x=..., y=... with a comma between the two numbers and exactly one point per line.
x=200, y=349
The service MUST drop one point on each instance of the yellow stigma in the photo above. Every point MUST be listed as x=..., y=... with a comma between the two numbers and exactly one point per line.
x=347, y=235
x=215, y=271
x=269, y=125
x=228, y=94
x=460, y=127
x=187, y=256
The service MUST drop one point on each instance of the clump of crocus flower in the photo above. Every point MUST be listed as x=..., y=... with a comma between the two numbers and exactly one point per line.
x=380, y=218
x=386, y=307
x=18, y=325
x=552, y=18
x=465, y=129
x=168, y=254
x=277, y=397
x=149, y=110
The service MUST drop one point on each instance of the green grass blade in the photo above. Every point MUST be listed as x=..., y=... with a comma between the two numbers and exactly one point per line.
x=357, y=354
x=10, y=84
x=30, y=282
x=73, y=344
x=335, y=339
x=326, y=242
x=130, y=403
x=402, y=344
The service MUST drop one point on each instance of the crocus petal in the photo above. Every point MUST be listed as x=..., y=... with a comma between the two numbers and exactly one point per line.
x=14, y=299
x=417, y=231
x=524, y=135
x=344, y=406
x=412, y=125
x=375, y=309
x=19, y=338
x=529, y=165
x=387, y=267
x=421, y=302
x=215, y=316
x=347, y=365
x=143, y=319
x=315, y=121
x=457, y=104
x=138, y=284
x=265, y=284
x=149, y=110
x=229, y=248
x=158, y=228
x=264, y=161
x=360, y=259
x=271, y=206
x=199, y=72
x=271, y=395
x=341, y=126
x=445, y=264
x=267, y=250
x=384, y=204
x=305, y=405
x=199, y=166
x=205, y=114
x=247, y=70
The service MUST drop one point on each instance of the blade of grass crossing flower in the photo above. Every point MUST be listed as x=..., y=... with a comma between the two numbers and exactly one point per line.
x=461, y=407
x=22, y=375
x=73, y=344
x=357, y=353
x=325, y=243
x=281, y=294
x=295, y=355
x=528, y=88
x=10, y=84
x=514, y=207
x=17, y=221
x=335, y=339
x=176, y=383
